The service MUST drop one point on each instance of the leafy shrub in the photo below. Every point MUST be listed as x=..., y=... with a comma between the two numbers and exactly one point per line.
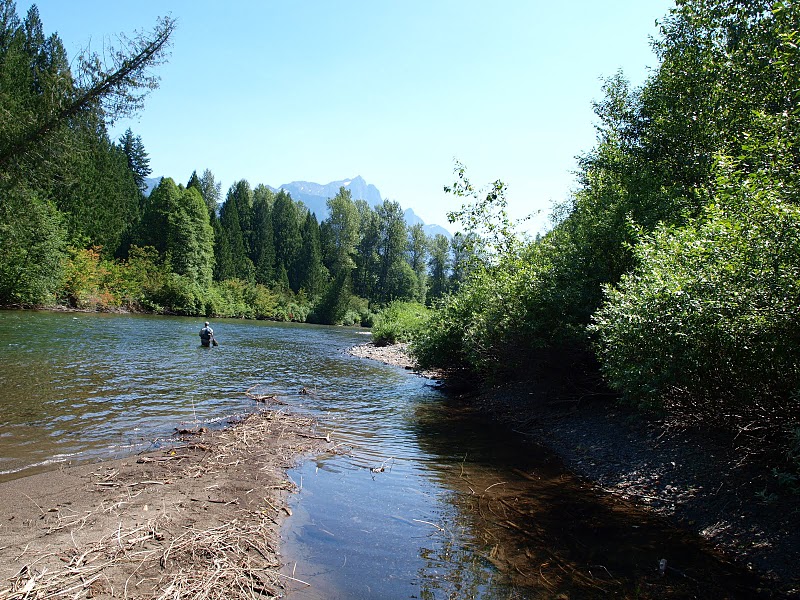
x=180, y=295
x=398, y=322
x=234, y=294
x=88, y=280
x=32, y=249
x=262, y=301
x=358, y=313
x=502, y=314
x=138, y=279
x=707, y=325
x=292, y=307
x=440, y=342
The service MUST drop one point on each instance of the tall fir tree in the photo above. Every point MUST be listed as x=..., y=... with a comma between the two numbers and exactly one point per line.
x=234, y=262
x=311, y=273
x=263, y=240
x=138, y=159
x=176, y=224
x=191, y=237
x=286, y=227
x=194, y=182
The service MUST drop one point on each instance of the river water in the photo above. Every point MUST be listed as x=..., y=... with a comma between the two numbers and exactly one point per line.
x=421, y=498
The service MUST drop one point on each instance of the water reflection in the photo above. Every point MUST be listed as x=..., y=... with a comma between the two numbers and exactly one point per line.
x=549, y=535
x=475, y=511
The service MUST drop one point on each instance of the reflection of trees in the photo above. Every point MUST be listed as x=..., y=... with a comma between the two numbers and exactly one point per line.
x=453, y=569
x=540, y=533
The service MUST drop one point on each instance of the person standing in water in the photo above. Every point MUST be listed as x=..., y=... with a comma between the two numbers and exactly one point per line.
x=207, y=336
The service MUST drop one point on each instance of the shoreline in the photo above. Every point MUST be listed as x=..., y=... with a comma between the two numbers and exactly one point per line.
x=684, y=476
x=203, y=518
x=135, y=527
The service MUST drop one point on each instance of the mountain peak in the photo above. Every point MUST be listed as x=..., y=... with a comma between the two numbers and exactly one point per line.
x=315, y=196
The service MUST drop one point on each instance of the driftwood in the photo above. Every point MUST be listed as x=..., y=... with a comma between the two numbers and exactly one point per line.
x=163, y=558
x=265, y=398
x=195, y=431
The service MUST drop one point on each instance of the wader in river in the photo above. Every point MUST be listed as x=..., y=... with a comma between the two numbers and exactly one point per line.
x=207, y=336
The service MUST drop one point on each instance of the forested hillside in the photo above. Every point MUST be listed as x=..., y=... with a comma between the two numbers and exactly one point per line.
x=78, y=229
x=677, y=262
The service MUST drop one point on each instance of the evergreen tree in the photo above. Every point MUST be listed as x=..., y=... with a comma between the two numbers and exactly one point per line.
x=191, y=237
x=176, y=224
x=108, y=87
x=35, y=78
x=263, y=241
x=234, y=261
x=138, y=160
x=311, y=273
x=154, y=225
x=286, y=228
x=96, y=193
x=194, y=182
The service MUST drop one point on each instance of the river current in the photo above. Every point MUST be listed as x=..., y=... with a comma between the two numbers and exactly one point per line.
x=421, y=498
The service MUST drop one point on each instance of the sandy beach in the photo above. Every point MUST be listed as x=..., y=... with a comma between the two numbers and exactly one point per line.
x=198, y=520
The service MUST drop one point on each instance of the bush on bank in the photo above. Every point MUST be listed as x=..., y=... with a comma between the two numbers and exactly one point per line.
x=707, y=326
x=398, y=322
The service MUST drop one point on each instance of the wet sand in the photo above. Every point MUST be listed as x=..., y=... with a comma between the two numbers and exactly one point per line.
x=199, y=520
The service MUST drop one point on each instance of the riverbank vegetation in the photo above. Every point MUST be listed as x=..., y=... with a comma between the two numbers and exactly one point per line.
x=676, y=264
x=399, y=322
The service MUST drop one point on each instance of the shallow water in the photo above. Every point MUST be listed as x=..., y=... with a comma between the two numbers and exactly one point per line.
x=93, y=386
x=460, y=508
x=421, y=498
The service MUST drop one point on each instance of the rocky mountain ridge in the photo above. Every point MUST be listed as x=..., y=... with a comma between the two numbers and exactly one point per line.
x=315, y=197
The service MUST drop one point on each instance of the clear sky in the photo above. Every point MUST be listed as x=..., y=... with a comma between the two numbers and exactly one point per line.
x=394, y=91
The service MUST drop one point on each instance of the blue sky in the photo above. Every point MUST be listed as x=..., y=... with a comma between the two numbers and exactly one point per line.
x=274, y=92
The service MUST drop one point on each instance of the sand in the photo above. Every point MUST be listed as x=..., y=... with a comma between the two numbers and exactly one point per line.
x=199, y=520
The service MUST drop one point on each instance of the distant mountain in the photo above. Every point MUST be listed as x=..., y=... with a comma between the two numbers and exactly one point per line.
x=152, y=183
x=315, y=197
x=411, y=219
x=434, y=230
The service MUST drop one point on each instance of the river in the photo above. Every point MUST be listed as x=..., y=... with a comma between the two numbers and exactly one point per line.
x=420, y=499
